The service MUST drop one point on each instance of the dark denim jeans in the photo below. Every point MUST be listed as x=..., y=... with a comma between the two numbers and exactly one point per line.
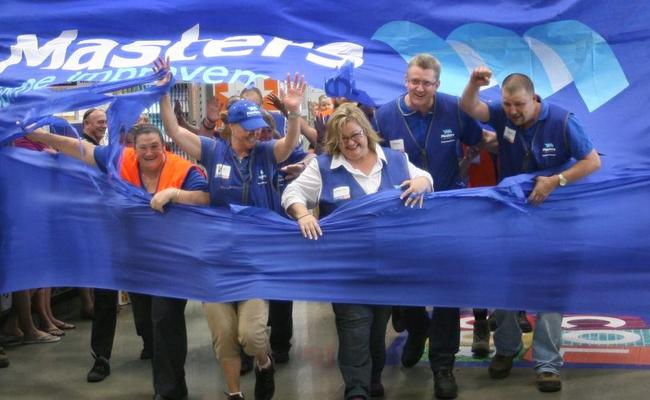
x=362, y=351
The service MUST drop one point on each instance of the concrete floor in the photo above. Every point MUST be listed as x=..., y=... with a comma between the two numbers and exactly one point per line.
x=58, y=370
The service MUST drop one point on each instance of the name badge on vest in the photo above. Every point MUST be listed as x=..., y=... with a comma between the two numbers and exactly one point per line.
x=222, y=171
x=397, y=144
x=509, y=134
x=341, y=193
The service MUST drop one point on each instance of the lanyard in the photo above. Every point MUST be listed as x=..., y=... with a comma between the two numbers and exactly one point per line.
x=525, y=164
x=423, y=150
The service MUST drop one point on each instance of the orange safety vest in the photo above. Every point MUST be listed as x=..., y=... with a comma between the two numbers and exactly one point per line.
x=173, y=174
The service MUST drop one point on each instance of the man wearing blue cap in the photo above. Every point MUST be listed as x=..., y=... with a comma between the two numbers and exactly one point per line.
x=428, y=125
x=240, y=171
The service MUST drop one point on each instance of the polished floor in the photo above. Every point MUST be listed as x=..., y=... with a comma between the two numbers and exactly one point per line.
x=58, y=370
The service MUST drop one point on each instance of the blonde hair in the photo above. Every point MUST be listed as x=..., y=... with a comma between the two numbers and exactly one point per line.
x=426, y=61
x=343, y=115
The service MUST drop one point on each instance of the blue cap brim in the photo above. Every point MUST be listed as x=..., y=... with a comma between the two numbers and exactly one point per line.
x=251, y=124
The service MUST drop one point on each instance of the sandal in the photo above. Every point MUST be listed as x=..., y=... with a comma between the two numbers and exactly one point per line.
x=47, y=338
x=64, y=325
x=55, y=332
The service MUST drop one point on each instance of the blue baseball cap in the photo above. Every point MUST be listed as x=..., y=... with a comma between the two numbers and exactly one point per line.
x=247, y=114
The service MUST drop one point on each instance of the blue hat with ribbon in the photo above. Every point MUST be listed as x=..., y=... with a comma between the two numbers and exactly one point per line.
x=247, y=114
x=343, y=85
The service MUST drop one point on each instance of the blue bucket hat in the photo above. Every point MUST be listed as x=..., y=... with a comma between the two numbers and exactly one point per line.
x=247, y=114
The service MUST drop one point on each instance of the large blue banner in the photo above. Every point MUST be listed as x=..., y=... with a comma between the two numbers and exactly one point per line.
x=588, y=56
x=466, y=248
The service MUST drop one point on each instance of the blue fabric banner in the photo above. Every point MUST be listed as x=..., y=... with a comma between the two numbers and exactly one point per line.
x=584, y=250
x=588, y=56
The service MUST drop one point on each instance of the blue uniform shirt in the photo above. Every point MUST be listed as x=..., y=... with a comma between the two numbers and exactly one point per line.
x=431, y=140
x=243, y=182
x=552, y=140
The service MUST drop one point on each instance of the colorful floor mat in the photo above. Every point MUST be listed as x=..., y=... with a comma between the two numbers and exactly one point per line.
x=587, y=341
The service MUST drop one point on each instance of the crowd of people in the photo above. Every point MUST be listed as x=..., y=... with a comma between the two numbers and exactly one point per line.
x=422, y=141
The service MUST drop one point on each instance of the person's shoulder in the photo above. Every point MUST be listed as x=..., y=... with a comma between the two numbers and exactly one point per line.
x=389, y=106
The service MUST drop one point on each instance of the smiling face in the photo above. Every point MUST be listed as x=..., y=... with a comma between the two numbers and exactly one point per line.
x=421, y=85
x=353, y=143
x=242, y=139
x=150, y=152
x=95, y=125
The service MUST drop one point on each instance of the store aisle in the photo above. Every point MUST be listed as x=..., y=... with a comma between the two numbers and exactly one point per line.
x=58, y=371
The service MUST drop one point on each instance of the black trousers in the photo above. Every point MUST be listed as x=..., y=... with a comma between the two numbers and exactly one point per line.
x=161, y=323
x=105, y=320
x=281, y=323
x=169, y=346
x=443, y=329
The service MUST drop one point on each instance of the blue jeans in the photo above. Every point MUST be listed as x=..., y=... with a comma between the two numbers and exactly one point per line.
x=362, y=352
x=547, y=339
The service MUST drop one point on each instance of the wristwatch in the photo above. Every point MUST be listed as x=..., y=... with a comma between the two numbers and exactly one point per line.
x=563, y=180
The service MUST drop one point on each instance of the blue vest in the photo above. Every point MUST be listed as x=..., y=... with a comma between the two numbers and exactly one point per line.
x=228, y=186
x=548, y=147
x=394, y=172
x=439, y=155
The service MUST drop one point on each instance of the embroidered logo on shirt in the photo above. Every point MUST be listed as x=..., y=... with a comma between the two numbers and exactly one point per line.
x=549, y=150
x=447, y=136
x=262, y=178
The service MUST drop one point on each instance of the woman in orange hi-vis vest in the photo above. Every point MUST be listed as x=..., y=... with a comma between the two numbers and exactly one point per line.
x=147, y=165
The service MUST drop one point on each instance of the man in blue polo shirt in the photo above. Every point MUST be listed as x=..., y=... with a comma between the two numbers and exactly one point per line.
x=428, y=125
x=532, y=135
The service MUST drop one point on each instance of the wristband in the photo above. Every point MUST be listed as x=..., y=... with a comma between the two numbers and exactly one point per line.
x=302, y=216
x=293, y=115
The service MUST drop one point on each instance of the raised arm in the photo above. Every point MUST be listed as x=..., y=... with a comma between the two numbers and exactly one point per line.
x=470, y=102
x=291, y=100
x=186, y=140
x=69, y=146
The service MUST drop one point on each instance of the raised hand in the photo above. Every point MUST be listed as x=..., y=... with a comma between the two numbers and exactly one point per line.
x=481, y=76
x=275, y=101
x=162, y=64
x=294, y=93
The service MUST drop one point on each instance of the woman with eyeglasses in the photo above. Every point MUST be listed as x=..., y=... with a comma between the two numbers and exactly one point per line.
x=240, y=171
x=353, y=166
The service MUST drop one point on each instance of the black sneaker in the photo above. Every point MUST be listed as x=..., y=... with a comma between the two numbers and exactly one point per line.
x=481, y=339
x=246, y=363
x=100, y=370
x=264, y=382
x=524, y=323
x=500, y=366
x=413, y=349
x=444, y=384
x=234, y=397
